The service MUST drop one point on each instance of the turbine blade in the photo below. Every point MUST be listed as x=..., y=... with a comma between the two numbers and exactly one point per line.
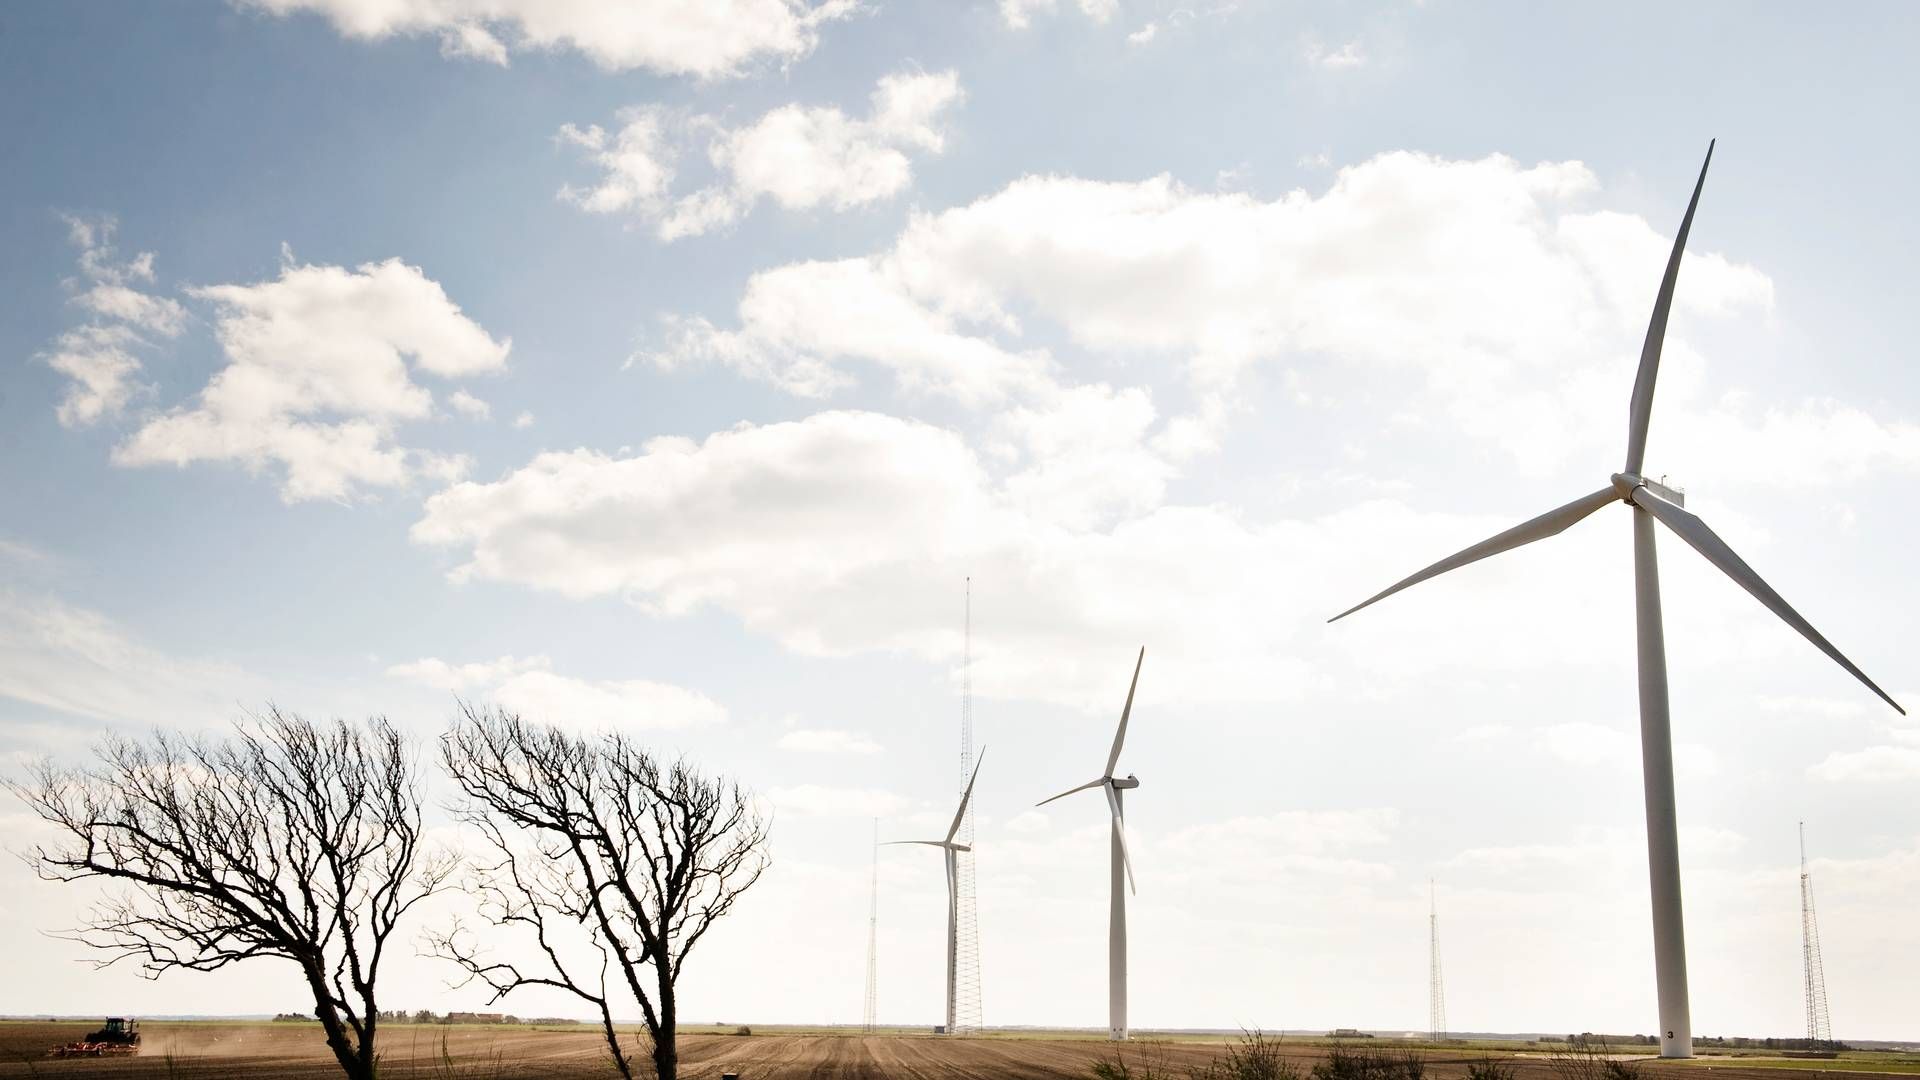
x=1120, y=733
x=1705, y=541
x=1096, y=782
x=1548, y=524
x=965, y=795
x=1640, y=413
x=1120, y=830
x=926, y=843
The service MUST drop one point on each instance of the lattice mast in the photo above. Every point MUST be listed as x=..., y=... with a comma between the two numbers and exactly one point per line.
x=965, y=1005
x=1436, y=988
x=873, y=939
x=1819, y=1026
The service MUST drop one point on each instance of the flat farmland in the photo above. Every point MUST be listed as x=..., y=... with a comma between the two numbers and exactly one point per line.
x=203, y=1050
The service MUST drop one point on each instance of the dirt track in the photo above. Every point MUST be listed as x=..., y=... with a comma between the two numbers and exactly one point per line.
x=204, y=1051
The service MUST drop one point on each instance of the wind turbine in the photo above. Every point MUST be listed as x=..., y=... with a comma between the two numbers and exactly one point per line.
x=949, y=849
x=1117, y=914
x=1652, y=502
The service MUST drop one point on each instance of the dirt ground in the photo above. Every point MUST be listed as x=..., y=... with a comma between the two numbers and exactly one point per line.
x=206, y=1050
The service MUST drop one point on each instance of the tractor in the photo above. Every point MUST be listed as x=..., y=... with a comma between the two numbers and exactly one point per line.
x=120, y=1036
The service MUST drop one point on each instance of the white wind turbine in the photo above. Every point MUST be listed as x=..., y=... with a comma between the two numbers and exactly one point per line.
x=1117, y=913
x=1652, y=502
x=949, y=849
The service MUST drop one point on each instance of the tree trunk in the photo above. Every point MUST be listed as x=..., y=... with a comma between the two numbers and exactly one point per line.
x=666, y=1054
x=356, y=1065
x=368, y=1065
x=351, y=1061
x=666, y=1041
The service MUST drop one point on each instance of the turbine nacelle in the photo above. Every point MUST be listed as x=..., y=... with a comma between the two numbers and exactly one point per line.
x=1124, y=783
x=1625, y=483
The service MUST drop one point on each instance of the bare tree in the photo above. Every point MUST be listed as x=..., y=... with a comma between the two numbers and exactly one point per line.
x=613, y=864
x=290, y=839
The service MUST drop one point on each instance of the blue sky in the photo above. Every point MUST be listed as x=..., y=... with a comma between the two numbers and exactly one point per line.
x=1183, y=325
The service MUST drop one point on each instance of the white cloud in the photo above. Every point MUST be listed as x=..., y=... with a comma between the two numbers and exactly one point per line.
x=77, y=661
x=794, y=334
x=712, y=39
x=529, y=687
x=800, y=157
x=466, y=678
x=1591, y=852
x=1027, y=822
x=1345, y=58
x=613, y=704
x=100, y=363
x=846, y=531
x=156, y=314
x=471, y=41
x=841, y=491
x=1088, y=458
x=816, y=800
x=1593, y=746
x=1280, y=853
x=1018, y=14
x=21, y=552
x=317, y=379
x=99, y=358
x=1587, y=744
x=1373, y=267
x=1818, y=707
x=1176, y=19
x=1875, y=764
x=1503, y=306
x=469, y=406
x=524, y=420
x=1303, y=832
x=1453, y=282
x=828, y=741
x=1813, y=445
x=636, y=163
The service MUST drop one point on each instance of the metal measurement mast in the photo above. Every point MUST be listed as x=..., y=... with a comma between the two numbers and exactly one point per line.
x=1819, y=1027
x=1436, y=990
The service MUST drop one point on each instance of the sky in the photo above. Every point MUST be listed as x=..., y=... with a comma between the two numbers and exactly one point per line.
x=671, y=368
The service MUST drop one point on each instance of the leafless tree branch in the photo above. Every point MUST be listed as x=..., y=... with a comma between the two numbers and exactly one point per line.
x=593, y=835
x=290, y=839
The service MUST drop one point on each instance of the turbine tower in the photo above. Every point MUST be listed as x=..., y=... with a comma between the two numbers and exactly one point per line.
x=963, y=1016
x=1819, y=1028
x=873, y=939
x=1436, y=990
x=1121, y=865
x=1652, y=502
x=950, y=849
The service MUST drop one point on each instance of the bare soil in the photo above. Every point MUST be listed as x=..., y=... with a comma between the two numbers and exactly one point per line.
x=208, y=1050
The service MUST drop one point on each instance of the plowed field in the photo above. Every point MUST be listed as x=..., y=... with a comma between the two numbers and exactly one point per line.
x=207, y=1050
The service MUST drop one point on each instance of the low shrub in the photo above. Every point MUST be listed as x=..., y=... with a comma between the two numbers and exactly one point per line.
x=1345, y=1062
x=1591, y=1059
x=1147, y=1061
x=1253, y=1056
x=1489, y=1069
